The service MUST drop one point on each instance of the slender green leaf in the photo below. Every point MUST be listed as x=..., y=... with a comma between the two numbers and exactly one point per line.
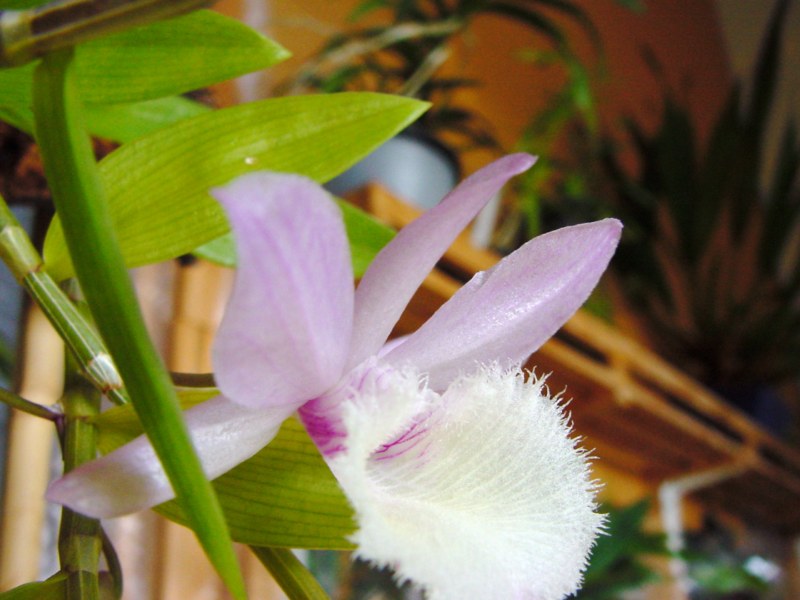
x=532, y=19
x=572, y=10
x=22, y=120
x=126, y=122
x=163, y=59
x=172, y=57
x=20, y=4
x=295, y=580
x=781, y=206
x=80, y=200
x=366, y=234
x=221, y=251
x=677, y=162
x=116, y=122
x=284, y=496
x=765, y=72
x=16, y=87
x=54, y=588
x=720, y=170
x=158, y=185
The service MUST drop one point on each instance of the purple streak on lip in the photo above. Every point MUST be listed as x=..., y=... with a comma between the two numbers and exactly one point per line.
x=325, y=431
x=421, y=456
x=407, y=441
x=412, y=434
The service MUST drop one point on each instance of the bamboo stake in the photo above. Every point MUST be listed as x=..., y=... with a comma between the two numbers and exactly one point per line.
x=30, y=446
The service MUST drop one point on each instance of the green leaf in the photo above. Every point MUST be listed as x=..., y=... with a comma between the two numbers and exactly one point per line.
x=284, y=496
x=166, y=58
x=221, y=251
x=22, y=120
x=16, y=87
x=54, y=588
x=20, y=4
x=294, y=578
x=126, y=122
x=157, y=186
x=172, y=57
x=116, y=122
x=677, y=169
x=366, y=234
x=535, y=20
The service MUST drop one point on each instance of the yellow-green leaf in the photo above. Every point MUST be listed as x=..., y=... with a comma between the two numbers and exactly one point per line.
x=157, y=186
x=284, y=496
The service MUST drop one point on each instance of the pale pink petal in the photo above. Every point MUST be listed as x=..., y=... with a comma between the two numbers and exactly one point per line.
x=504, y=314
x=400, y=268
x=286, y=331
x=131, y=478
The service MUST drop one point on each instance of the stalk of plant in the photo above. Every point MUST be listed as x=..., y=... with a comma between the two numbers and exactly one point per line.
x=25, y=264
x=79, y=539
x=80, y=202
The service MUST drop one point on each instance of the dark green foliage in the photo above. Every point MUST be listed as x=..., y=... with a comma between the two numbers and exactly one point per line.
x=615, y=565
x=721, y=568
x=708, y=258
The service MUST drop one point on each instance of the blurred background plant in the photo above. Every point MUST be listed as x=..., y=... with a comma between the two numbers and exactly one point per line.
x=618, y=562
x=405, y=52
x=721, y=570
x=565, y=135
x=709, y=262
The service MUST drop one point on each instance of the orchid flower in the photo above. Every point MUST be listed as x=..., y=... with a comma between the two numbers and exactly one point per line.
x=461, y=469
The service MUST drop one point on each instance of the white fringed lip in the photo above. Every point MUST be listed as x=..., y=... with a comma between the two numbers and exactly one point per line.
x=483, y=494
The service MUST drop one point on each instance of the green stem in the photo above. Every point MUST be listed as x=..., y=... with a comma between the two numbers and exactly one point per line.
x=25, y=263
x=293, y=577
x=20, y=403
x=80, y=202
x=114, y=566
x=79, y=539
x=29, y=34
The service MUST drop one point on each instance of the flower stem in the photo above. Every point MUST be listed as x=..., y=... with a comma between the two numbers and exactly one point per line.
x=25, y=263
x=79, y=540
x=80, y=201
x=20, y=403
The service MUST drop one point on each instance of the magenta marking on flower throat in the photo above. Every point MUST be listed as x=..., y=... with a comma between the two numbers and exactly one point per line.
x=323, y=418
x=328, y=433
x=404, y=443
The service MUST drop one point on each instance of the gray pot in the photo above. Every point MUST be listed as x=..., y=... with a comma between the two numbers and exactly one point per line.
x=411, y=165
